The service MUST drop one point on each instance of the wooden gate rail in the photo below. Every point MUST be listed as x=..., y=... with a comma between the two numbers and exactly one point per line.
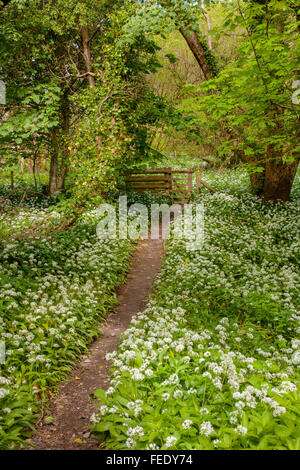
x=175, y=183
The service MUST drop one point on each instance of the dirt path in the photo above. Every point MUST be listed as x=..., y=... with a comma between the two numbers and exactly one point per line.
x=72, y=408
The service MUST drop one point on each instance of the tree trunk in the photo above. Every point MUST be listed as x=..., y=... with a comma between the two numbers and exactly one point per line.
x=275, y=182
x=12, y=182
x=279, y=178
x=86, y=51
x=65, y=117
x=197, y=45
x=29, y=166
x=200, y=51
x=208, y=26
x=34, y=166
x=62, y=176
x=53, y=164
x=53, y=173
x=257, y=183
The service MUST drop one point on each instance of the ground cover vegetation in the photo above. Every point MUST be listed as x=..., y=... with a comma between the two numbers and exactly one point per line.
x=90, y=91
x=213, y=362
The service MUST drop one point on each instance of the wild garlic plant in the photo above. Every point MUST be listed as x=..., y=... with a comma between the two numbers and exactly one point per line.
x=213, y=362
x=54, y=290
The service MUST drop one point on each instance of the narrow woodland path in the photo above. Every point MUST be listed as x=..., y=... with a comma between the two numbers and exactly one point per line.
x=72, y=408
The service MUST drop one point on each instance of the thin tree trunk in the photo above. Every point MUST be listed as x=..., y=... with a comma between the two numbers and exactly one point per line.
x=29, y=166
x=22, y=165
x=208, y=26
x=86, y=51
x=43, y=163
x=38, y=165
x=65, y=116
x=62, y=176
x=34, y=172
x=53, y=173
x=53, y=164
x=12, y=183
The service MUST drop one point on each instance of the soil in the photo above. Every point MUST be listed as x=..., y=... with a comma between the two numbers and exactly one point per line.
x=72, y=408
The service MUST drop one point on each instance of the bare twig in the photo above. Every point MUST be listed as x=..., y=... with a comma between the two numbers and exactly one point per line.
x=106, y=98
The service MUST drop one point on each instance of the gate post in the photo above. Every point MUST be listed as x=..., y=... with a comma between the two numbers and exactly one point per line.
x=170, y=181
x=198, y=184
x=190, y=181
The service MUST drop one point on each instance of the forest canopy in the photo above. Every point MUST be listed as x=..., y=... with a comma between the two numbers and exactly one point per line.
x=96, y=87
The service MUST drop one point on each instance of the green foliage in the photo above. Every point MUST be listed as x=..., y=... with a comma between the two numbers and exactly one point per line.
x=119, y=113
x=39, y=116
x=52, y=107
x=253, y=97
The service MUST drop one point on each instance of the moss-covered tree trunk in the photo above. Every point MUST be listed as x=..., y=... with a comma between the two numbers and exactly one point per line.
x=275, y=181
x=278, y=179
x=201, y=52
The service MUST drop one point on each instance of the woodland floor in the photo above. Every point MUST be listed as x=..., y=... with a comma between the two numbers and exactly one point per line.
x=72, y=408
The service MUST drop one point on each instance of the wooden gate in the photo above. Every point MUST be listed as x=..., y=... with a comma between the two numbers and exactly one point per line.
x=176, y=183
x=157, y=180
x=182, y=185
